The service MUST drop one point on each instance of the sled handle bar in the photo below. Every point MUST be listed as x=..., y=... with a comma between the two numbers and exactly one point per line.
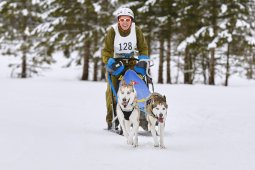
x=149, y=62
x=127, y=59
x=135, y=59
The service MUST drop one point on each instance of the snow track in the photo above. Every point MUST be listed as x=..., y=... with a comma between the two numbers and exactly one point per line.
x=56, y=123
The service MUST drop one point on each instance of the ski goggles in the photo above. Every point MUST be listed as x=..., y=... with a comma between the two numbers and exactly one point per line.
x=125, y=19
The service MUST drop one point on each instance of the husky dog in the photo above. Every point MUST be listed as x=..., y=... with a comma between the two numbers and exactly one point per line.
x=156, y=109
x=128, y=112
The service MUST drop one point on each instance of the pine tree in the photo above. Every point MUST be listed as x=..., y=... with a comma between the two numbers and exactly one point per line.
x=227, y=32
x=167, y=12
x=189, y=22
x=105, y=19
x=19, y=18
x=213, y=26
x=233, y=35
x=70, y=27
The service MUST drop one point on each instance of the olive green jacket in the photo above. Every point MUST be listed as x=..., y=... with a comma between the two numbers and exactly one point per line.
x=108, y=49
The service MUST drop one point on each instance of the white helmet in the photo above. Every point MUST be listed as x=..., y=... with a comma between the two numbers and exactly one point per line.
x=125, y=11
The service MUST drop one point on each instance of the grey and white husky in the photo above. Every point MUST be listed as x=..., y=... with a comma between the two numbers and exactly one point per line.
x=156, y=109
x=128, y=112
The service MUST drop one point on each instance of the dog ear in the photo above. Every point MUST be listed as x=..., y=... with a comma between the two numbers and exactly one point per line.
x=164, y=97
x=152, y=101
x=123, y=83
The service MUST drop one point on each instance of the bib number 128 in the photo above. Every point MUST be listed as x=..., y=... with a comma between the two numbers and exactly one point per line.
x=125, y=46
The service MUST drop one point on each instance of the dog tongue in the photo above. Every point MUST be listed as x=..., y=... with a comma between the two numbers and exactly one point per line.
x=160, y=119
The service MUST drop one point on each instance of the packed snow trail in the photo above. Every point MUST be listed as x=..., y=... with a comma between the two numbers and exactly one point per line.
x=56, y=122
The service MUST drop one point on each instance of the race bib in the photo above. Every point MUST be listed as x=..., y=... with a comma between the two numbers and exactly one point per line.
x=125, y=44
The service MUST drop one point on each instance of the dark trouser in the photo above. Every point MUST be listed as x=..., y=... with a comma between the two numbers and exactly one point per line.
x=109, y=96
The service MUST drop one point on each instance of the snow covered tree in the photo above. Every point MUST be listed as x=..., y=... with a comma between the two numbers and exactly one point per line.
x=217, y=26
x=19, y=18
x=166, y=12
x=245, y=31
x=70, y=27
x=208, y=34
x=104, y=10
x=229, y=31
x=157, y=29
x=189, y=21
x=233, y=30
x=157, y=18
x=251, y=41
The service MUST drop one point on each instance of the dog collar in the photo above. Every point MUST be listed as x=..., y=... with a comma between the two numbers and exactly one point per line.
x=154, y=116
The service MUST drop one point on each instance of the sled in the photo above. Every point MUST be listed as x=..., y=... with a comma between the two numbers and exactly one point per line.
x=143, y=86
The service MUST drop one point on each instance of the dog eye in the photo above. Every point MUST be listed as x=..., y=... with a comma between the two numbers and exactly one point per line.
x=157, y=108
x=164, y=108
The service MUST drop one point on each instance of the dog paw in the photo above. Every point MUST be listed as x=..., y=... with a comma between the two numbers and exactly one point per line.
x=162, y=147
x=135, y=145
x=130, y=142
x=156, y=145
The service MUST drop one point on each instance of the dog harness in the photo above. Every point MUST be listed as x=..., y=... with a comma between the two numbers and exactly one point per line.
x=127, y=113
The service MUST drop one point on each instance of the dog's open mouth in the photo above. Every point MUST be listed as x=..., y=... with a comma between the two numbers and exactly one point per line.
x=125, y=103
x=161, y=119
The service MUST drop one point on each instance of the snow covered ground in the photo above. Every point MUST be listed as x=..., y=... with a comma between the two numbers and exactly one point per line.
x=56, y=122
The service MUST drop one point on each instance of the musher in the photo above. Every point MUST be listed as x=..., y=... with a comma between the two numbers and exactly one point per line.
x=122, y=39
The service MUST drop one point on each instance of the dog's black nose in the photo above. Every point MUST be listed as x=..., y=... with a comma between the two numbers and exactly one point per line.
x=160, y=115
x=124, y=99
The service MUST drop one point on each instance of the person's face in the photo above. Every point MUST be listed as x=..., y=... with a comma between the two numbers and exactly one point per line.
x=125, y=22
